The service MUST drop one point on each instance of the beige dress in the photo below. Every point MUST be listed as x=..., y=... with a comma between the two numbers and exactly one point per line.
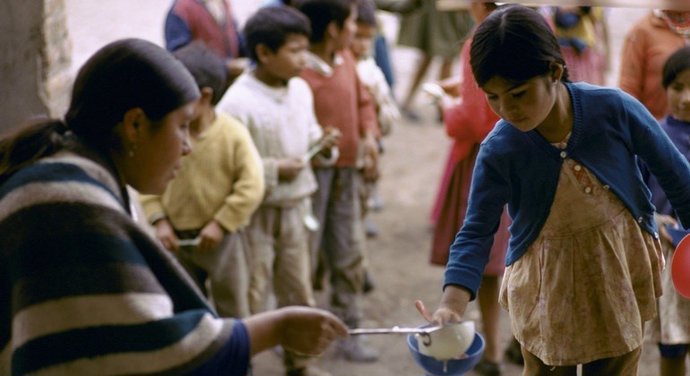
x=587, y=284
x=672, y=325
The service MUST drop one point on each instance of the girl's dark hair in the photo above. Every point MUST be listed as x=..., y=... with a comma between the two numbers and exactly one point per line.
x=516, y=43
x=207, y=68
x=125, y=74
x=678, y=62
x=271, y=26
x=322, y=12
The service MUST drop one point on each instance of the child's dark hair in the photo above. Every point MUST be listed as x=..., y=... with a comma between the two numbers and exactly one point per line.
x=207, y=68
x=516, y=43
x=322, y=12
x=676, y=64
x=366, y=13
x=271, y=26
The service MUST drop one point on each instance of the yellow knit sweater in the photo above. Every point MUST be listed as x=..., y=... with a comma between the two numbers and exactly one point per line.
x=222, y=179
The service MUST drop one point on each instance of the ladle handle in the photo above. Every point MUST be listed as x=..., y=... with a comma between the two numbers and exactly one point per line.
x=393, y=330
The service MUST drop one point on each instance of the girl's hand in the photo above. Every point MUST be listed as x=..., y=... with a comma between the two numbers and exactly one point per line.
x=451, y=86
x=443, y=315
x=662, y=221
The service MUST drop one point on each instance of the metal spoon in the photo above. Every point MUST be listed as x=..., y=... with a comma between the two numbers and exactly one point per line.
x=423, y=331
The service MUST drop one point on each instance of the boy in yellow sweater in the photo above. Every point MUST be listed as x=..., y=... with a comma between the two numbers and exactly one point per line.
x=201, y=215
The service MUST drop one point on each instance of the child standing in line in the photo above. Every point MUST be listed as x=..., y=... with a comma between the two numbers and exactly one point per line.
x=584, y=263
x=278, y=109
x=671, y=328
x=201, y=215
x=388, y=114
x=340, y=100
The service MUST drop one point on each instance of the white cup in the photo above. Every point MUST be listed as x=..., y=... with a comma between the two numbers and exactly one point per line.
x=449, y=342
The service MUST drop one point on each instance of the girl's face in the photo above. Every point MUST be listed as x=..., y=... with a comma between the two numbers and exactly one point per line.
x=158, y=149
x=524, y=104
x=678, y=93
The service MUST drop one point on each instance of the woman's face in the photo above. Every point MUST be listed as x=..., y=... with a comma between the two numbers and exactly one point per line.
x=678, y=93
x=525, y=105
x=158, y=149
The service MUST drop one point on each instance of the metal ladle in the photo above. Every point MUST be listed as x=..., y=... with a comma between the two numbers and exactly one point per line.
x=424, y=332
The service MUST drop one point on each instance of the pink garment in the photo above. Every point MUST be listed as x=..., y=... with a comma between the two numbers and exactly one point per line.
x=645, y=50
x=586, y=66
x=467, y=123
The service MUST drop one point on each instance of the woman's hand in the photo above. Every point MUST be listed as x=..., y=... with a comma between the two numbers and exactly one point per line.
x=304, y=330
x=310, y=331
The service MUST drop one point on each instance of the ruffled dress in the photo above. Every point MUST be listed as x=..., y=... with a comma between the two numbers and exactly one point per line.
x=587, y=284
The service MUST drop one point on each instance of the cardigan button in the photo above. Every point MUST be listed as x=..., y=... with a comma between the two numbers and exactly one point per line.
x=656, y=235
x=640, y=220
x=606, y=187
x=564, y=154
x=577, y=167
x=588, y=190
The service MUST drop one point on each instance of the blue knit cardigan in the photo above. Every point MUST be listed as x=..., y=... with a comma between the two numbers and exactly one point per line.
x=610, y=131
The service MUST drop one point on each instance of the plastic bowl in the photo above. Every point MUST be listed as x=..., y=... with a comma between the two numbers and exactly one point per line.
x=451, y=367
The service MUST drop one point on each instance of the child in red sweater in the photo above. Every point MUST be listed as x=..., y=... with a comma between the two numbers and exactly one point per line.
x=341, y=101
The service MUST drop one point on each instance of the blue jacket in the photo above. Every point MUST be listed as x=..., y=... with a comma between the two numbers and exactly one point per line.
x=610, y=131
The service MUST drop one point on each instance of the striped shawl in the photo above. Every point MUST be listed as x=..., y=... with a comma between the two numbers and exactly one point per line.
x=83, y=290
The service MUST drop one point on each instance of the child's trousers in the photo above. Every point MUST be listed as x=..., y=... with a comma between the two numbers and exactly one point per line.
x=280, y=260
x=624, y=365
x=335, y=208
x=227, y=271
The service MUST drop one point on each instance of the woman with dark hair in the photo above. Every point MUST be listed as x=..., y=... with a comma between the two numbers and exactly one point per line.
x=87, y=290
x=584, y=259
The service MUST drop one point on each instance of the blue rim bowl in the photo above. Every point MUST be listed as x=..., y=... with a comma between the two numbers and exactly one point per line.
x=452, y=367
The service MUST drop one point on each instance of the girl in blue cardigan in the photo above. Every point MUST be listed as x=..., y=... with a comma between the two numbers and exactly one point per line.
x=584, y=260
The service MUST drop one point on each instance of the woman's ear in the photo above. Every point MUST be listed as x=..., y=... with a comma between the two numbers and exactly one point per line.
x=132, y=123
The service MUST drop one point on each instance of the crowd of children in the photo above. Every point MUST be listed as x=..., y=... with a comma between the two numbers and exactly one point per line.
x=268, y=203
x=281, y=158
x=310, y=114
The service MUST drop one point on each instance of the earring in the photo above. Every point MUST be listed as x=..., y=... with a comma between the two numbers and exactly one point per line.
x=132, y=150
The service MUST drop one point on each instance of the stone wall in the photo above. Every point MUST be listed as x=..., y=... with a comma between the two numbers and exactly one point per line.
x=35, y=56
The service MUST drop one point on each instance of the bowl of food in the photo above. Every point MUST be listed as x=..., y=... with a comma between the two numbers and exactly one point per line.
x=455, y=366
